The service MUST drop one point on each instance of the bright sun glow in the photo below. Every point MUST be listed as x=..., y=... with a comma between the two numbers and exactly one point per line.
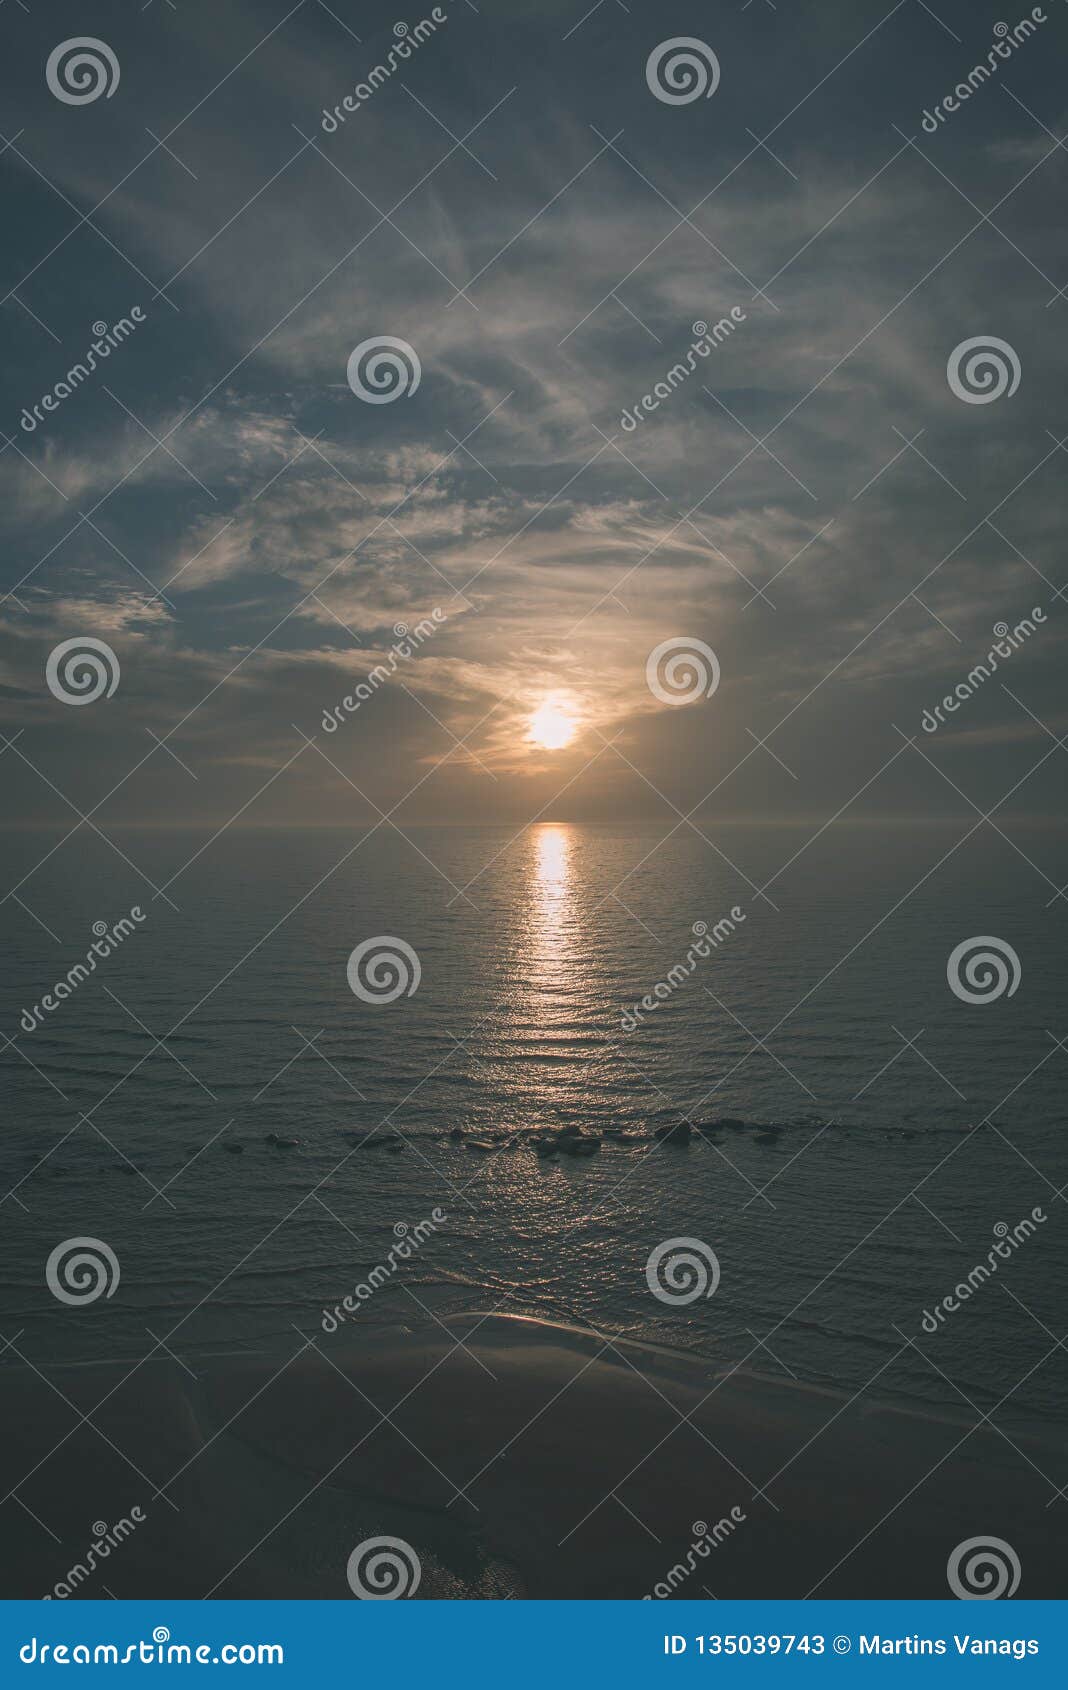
x=551, y=727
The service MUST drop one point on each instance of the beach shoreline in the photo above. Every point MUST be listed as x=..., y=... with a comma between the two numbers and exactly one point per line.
x=519, y=1459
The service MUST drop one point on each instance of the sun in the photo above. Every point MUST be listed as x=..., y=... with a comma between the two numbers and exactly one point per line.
x=552, y=727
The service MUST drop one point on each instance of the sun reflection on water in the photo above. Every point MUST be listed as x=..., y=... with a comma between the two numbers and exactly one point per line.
x=552, y=905
x=553, y=848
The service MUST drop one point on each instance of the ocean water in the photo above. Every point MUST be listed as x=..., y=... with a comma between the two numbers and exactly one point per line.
x=894, y=1170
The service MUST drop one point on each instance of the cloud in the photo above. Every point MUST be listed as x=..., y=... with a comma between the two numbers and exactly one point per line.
x=814, y=502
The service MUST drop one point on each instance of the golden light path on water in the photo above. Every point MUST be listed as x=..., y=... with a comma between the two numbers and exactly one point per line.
x=551, y=991
x=553, y=896
x=552, y=949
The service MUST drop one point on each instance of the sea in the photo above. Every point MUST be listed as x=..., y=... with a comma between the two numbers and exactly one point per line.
x=880, y=1134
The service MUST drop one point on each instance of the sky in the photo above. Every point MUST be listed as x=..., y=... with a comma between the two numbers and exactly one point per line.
x=814, y=504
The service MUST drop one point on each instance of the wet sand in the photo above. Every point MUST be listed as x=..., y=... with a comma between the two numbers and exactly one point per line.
x=532, y=1461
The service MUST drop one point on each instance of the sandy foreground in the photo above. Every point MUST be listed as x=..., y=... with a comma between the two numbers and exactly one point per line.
x=532, y=1461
